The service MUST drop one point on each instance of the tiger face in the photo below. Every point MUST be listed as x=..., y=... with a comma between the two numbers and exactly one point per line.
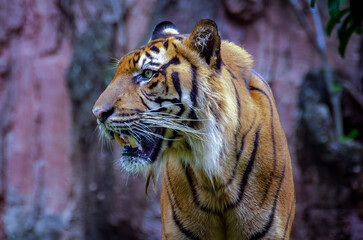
x=154, y=101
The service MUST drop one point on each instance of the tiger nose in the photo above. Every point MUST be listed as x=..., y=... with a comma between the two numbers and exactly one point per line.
x=103, y=113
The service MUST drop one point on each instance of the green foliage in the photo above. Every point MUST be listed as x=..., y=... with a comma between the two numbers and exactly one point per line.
x=353, y=134
x=349, y=19
x=337, y=87
x=312, y=3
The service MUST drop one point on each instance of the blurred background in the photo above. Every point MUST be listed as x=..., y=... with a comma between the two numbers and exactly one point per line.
x=57, y=181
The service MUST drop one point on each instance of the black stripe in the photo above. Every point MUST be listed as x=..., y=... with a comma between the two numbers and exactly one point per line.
x=166, y=44
x=172, y=138
x=136, y=58
x=173, y=61
x=194, y=92
x=174, y=101
x=272, y=174
x=160, y=100
x=154, y=64
x=143, y=103
x=156, y=41
x=266, y=228
x=246, y=172
x=231, y=73
x=126, y=121
x=237, y=131
x=288, y=219
x=189, y=234
x=176, y=82
x=162, y=109
x=147, y=95
x=194, y=118
x=262, y=79
x=149, y=55
x=188, y=173
x=163, y=228
x=143, y=62
x=182, y=109
x=154, y=84
x=171, y=186
x=134, y=112
x=155, y=49
x=245, y=80
x=219, y=60
x=238, y=155
x=242, y=184
x=157, y=148
x=238, y=102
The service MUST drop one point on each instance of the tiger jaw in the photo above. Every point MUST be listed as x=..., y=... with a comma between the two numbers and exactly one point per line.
x=137, y=155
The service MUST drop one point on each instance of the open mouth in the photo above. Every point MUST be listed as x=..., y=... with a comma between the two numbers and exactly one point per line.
x=144, y=149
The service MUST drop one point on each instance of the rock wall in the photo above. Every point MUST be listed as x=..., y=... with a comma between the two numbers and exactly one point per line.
x=35, y=126
x=57, y=179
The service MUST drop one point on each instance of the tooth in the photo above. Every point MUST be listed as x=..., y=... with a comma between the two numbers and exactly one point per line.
x=140, y=148
x=132, y=141
x=119, y=140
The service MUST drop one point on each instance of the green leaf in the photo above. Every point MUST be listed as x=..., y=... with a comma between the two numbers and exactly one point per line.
x=332, y=21
x=345, y=30
x=333, y=6
x=337, y=87
x=331, y=24
x=354, y=133
x=312, y=3
x=343, y=12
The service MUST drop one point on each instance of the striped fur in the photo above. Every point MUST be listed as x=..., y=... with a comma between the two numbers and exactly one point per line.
x=214, y=130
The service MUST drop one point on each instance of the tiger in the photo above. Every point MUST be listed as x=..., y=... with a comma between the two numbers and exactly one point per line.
x=192, y=107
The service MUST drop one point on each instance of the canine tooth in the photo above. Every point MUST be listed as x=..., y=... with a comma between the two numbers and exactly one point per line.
x=140, y=148
x=119, y=140
x=132, y=141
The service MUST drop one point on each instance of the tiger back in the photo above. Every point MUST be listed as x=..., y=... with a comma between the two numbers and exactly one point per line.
x=193, y=106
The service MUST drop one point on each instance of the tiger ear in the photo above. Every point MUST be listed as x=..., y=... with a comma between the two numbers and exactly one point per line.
x=206, y=41
x=164, y=29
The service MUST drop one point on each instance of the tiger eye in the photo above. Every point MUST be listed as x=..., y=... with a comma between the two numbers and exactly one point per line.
x=148, y=73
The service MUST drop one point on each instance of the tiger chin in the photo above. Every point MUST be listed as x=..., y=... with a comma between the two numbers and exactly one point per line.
x=194, y=106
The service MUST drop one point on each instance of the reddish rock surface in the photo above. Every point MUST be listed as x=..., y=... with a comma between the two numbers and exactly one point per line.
x=56, y=179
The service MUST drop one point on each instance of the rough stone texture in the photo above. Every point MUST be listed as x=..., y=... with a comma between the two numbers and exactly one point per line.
x=245, y=11
x=35, y=125
x=58, y=181
x=331, y=169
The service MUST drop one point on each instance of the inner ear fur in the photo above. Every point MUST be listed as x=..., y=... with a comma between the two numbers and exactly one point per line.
x=207, y=42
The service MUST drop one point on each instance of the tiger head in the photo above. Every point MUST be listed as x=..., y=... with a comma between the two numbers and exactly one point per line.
x=167, y=97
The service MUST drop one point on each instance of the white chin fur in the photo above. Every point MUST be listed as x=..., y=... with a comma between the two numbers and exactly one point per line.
x=134, y=164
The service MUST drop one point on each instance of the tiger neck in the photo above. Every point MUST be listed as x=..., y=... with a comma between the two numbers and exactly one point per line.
x=207, y=170
x=186, y=181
